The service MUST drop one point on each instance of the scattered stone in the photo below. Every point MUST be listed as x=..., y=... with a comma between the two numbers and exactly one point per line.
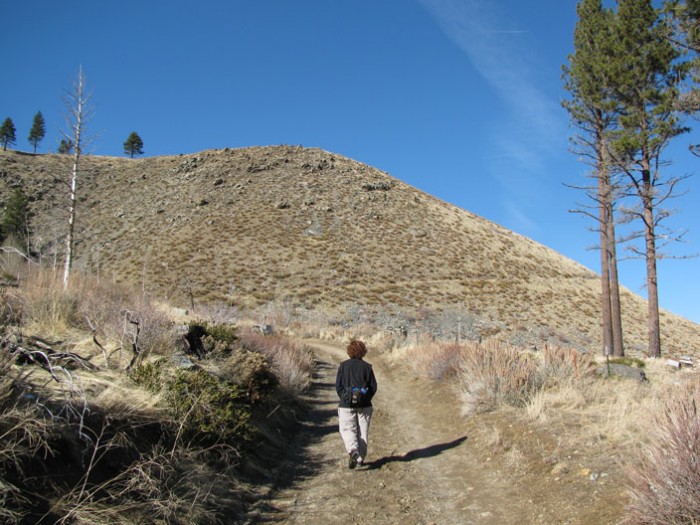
x=182, y=361
x=381, y=186
x=559, y=468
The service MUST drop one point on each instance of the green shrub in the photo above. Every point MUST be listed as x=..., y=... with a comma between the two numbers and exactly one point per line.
x=148, y=375
x=251, y=371
x=210, y=410
x=223, y=332
x=628, y=361
x=217, y=340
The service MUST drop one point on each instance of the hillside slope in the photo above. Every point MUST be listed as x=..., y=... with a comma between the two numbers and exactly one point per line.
x=314, y=230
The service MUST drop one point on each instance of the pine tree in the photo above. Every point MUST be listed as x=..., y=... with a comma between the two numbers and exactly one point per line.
x=594, y=111
x=133, y=145
x=65, y=147
x=646, y=87
x=15, y=220
x=684, y=18
x=7, y=133
x=38, y=131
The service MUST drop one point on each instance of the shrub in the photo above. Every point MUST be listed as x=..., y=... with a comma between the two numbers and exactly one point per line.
x=436, y=361
x=561, y=365
x=223, y=332
x=291, y=362
x=665, y=479
x=23, y=436
x=10, y=308
x=628, y=361
x=251, y=371
x=210, y=411
x=156, y=334
x=494, y=373
x=211, y=340
x=148, y=375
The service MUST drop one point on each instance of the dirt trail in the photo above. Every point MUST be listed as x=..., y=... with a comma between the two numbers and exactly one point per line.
x=421, y=467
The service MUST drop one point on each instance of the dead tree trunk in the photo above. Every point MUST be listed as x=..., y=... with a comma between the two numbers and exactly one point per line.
x=76, y=103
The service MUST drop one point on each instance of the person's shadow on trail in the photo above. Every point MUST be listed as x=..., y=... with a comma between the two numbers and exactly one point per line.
x=419, y=453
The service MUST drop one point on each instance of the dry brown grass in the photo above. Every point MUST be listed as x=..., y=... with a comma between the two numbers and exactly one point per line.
x=291, y=361
x=492, y=374
x=125, y=452
x=566, y=418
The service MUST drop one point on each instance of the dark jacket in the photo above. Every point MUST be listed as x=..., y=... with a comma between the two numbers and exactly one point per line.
x=355, y=373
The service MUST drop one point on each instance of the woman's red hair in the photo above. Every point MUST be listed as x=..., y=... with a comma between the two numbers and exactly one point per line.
x=356, y=349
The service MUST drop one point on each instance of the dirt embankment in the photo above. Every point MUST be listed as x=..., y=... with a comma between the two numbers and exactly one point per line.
x=423, y=467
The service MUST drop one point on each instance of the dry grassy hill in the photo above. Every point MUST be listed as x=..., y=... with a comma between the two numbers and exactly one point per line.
x=314, y=230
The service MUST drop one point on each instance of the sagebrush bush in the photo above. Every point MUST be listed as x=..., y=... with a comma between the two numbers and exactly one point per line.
x=435, y=360
x=252, y=372
x=495, y=373
x=292, y=362
x=664, y=480
x=561, y=365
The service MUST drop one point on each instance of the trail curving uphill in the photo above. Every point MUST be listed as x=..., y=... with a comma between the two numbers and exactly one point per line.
x=421, y=467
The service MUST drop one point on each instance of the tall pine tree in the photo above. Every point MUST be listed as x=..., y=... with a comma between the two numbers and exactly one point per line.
x=647, y=89
x=684, y=18
x=593, y=111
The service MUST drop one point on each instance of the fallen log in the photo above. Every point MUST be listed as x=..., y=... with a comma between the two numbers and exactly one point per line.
x=34, y=350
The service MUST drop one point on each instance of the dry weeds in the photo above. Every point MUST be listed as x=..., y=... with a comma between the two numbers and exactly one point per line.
x=664, y=484
x=126, y=454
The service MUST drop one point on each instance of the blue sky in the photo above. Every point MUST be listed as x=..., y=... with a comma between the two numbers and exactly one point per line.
x=459, y=98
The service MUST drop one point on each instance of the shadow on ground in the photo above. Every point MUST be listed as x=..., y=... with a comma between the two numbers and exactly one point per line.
x=315, y=421
x=420, y=453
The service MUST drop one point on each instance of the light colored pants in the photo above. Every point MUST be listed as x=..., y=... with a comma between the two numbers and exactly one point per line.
x=354, y=429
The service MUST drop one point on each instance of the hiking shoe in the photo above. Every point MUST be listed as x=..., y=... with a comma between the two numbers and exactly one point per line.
x=352, y=462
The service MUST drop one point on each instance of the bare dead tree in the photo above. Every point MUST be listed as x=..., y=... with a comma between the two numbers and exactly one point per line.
x=135, y=348
x=78, y=114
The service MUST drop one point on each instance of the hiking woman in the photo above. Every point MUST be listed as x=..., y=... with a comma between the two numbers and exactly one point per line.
x=356, y=385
